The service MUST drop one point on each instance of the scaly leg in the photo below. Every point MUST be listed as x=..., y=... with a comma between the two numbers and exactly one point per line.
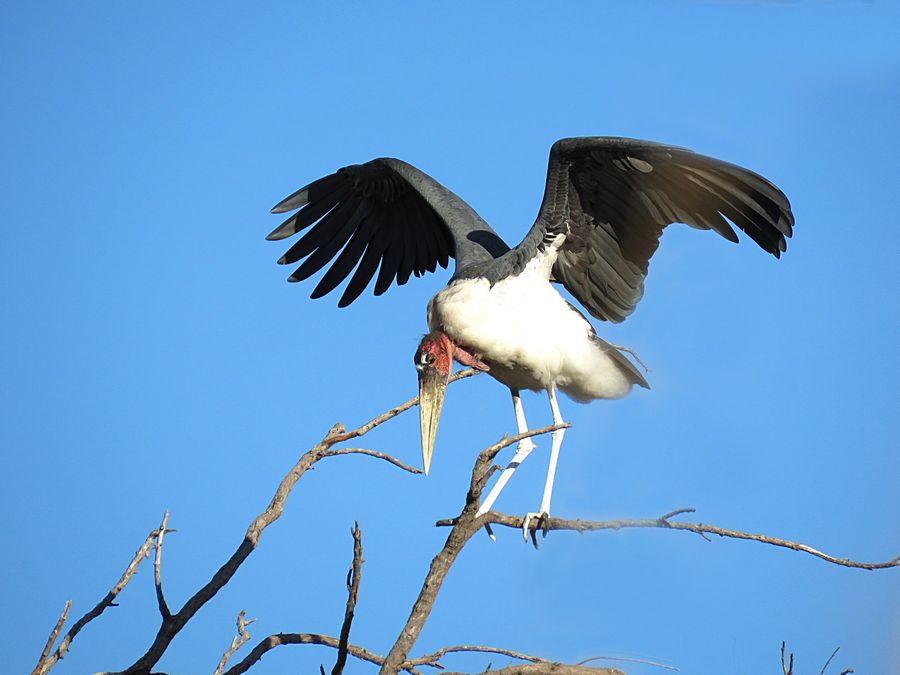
x=523, y=449
x=557, y=438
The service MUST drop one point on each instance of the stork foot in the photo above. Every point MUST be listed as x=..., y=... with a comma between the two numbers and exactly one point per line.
x=540, y=523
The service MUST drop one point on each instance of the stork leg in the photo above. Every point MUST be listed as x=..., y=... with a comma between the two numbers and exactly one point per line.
x=523, y=449
x=556, y=443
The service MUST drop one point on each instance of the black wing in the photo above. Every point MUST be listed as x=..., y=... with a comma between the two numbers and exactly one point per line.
x=383, y=215
x=612, y=197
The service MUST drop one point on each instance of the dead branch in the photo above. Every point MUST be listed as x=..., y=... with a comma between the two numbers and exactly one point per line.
x=434, y=658
x=300, y=639
x=828, y=662
x=374, y=453
x=107, y=601
x=237, y=641
x=173, y=624
x=365, y=655
x=788, y=668
x=663, y=522
x=353, y=576
x=157, y=564
x=464, y=526
x=51, y=640
x=393, y=412
x=626, y=659
x=825, y=667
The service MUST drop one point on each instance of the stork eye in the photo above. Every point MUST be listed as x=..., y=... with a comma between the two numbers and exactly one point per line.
x=423, y=359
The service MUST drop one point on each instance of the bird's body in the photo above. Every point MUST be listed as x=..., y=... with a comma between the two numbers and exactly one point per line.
x=529, y=336
x=606, y=204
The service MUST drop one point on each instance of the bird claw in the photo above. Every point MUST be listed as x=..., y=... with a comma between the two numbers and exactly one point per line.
x=540, y=524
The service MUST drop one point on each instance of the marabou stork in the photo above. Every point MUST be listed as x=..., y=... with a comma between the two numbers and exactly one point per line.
x=606, y=203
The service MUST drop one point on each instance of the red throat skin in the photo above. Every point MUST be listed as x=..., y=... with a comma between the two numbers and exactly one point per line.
x=441, y=348
x=445, y=351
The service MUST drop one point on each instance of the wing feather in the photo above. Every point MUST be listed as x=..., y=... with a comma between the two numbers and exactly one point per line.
x=347, y=260
x=613, y=197
x=383, y=215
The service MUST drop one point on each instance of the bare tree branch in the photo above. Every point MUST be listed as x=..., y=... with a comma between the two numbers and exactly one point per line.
x=237, y=641
x=363, y=654
x=663, y=522
x=98, y=609
x=353, y=576
x=788, y=668
x=300, y=639
x=537, y=665
x=373, y=453
x=628, y=659
x=393, y=412
x=465, y=525
x=825, y=667
x=157, y=564
x=172, y=625
x=51, y=640
x=433, y=658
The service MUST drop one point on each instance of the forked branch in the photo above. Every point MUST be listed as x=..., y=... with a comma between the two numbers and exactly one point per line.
x=49, y=659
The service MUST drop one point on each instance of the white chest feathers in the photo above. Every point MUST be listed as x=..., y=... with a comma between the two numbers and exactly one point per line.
x=528, y=334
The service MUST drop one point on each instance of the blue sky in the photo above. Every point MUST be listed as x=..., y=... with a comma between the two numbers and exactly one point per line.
x=154, y=357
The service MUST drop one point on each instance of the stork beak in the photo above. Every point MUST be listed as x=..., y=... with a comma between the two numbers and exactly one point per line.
x=432, y=386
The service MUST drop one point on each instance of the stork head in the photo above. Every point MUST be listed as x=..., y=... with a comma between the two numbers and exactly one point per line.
x=434, y=361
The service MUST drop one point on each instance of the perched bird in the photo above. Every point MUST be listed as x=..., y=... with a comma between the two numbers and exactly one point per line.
x=606, y=203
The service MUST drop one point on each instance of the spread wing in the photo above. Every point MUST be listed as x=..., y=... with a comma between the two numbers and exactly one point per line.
x=383, y=215
x=612, y=198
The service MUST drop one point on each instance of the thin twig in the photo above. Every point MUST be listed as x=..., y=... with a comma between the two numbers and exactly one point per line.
x=677, y=512
x=433, y=658
x=373, y=453
x=393, y=412
x=825, y=667
x=157, y=564
x=237, y=641
x=51, y=640
x=833, y=654
x=628, y=659
x=353, y=577
x=497, y=518
x=787, y=668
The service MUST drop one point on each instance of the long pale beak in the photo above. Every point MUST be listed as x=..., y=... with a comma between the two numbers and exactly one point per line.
x=432, y=386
